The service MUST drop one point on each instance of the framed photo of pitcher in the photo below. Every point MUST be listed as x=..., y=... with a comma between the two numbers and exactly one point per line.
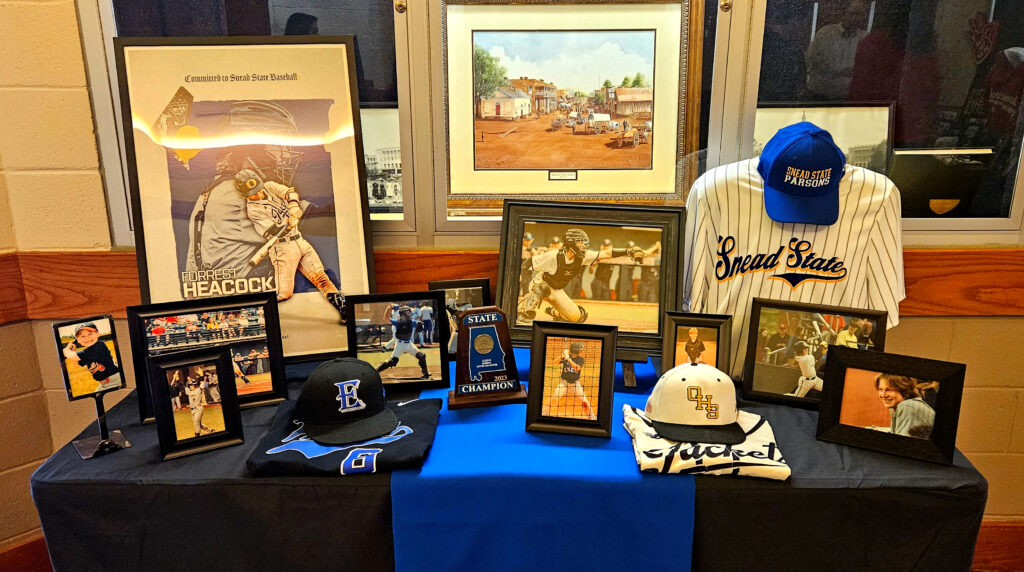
x=249, y=182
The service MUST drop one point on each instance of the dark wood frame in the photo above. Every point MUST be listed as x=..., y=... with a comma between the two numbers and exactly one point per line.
x=63, y=361
x=129, y=142
x=937, y=448
x=602, y=427
x=170, y=448
x=673, y=320
x=758, y=304
x=484, y=284
x=435, y=296
x=140, y=350
x=631, y=346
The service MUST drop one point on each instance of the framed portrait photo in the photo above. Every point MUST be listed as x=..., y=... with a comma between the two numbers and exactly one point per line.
x=789, y=344
x=459, y=296
x=695, y=338
x=195, y=411
x=246, y=172
x=247, y=326
x=596, y=264
x=565, y=99
x=892, y=403
x=89, y=357
x=572, y=376
x=403, y=335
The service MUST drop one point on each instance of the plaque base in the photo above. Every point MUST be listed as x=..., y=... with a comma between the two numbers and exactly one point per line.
x=485, y=399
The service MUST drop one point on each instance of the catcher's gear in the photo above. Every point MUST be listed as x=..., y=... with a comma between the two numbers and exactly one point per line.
x=405, y=312
x=573, y=238
x=265, y=117
x=637, y=254
x=539, y=289
x=576, y=347
x=422, y=358
x=390, y=363
x=560, y=318
x=248, y=183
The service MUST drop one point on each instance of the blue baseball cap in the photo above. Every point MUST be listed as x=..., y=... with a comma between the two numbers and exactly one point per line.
x=801, y=167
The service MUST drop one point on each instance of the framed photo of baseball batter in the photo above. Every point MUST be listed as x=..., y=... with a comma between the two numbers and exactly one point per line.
x=615, y=265
x=89, y=357
x=789, y=344
x=459, y=296
x=572, y=377
x=695, y=338
x=246, y=174
x=246, y=325
x=205, y=415
x=892, y=403
x=402, y=336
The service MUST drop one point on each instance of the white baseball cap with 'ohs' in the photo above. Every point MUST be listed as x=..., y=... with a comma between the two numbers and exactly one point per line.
x=695, y=403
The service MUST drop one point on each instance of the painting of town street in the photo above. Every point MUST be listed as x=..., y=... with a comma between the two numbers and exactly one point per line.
x=563, y=100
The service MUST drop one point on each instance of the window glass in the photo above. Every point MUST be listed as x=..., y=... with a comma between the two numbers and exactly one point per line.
x=942, y=79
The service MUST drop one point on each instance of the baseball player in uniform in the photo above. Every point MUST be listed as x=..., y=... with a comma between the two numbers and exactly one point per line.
x=569, y=393
x=694, y=346
x=94, y=356
x=275, y=210
x=238, y=371
x=404, y=326
x=427, y=319
x=196, y=401
x=808, y=376
x=555, y=269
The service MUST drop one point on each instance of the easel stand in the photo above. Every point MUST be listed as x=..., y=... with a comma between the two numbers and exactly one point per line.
x=107, y=442
x=629, y=359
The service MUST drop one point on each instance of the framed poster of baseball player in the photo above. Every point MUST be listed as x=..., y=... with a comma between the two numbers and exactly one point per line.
x=615, y=265
x=789, y=344
x=206, y=416
x=89, y=358
x=399, y=334
x=459, y=296
x=695, y=338
x=892, y=403
x=246, y=325
x=246, y=172
x=572, y=376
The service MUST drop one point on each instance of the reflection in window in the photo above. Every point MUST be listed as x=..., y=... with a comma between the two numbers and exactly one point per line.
x=952, y=69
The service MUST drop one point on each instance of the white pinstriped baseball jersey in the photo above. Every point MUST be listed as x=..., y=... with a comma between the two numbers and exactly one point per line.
x=735, y=252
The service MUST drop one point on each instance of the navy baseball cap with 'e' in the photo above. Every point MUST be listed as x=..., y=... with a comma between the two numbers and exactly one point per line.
x=801, y=167
x=343, y=402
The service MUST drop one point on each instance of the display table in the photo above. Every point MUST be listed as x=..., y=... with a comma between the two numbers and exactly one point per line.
x=843, y=509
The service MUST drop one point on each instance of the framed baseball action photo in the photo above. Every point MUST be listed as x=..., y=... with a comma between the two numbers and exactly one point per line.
x=246, y=172
x=459, y=296
x=90, y=360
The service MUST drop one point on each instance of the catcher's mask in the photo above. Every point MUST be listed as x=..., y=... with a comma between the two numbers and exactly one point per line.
x=577, y=241
x=576, y=347
x=405, y=312
x=265, y=117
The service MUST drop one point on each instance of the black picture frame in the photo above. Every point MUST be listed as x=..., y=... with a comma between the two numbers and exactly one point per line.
x=127, y=121
x=758, y=305
x=141, y=350
x=58, y=339
x=535, y=419
x=483, y=284
x=435, y=297
x=674, y=320
x=938, y=447
x=170, y=446
x=631, y=346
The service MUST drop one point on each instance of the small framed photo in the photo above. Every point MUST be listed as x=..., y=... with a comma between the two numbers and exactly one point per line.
x=89, y=358
x=788, y=346
x=195, y=401
x=695, y=338
x=247, y=325
x=459, y=296
x=572, y=375
x=400, y=335
x=892, y=403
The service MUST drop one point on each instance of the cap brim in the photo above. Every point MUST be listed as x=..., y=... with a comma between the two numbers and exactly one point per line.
x=380, y=424
x=731, y=434
x=782, y=207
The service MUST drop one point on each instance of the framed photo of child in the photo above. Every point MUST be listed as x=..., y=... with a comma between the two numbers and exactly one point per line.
x=572, y=375
x=89, y=357
x=695, y=338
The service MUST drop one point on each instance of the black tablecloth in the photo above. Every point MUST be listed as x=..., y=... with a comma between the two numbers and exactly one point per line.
x=843, y=509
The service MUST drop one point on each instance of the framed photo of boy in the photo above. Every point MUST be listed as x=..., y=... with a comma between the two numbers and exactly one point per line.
x=401, y=336
x=245, y=182
x=695, y=338
x=459, y=296
x=572, y=376
x=247, y=326
x=789, y=344
x=892, y=403
x=206, y=415
x=89, y=357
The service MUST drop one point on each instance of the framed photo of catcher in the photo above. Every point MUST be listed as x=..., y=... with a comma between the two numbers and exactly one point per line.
x=572, y=377
x=245, y=164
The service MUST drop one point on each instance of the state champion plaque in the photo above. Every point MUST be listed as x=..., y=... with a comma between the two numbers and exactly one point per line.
x=485, y=368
